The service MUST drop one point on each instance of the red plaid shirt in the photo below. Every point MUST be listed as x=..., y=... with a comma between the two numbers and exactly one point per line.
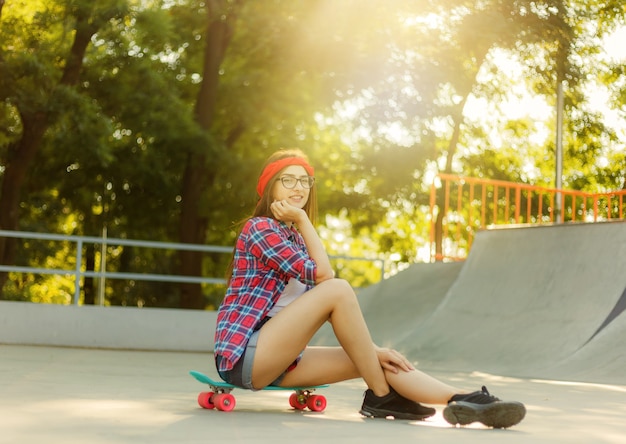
x=267, y=254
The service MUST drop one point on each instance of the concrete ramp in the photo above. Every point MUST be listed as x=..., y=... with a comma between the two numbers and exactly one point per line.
x=396, y=306
x=540, y=302
x=544, y=302
x=526, y=300
x=602, y=360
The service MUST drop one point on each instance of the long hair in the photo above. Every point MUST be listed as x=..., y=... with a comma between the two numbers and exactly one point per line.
x=262, y=208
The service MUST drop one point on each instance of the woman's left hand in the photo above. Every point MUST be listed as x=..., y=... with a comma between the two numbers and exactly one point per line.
x=393, y=360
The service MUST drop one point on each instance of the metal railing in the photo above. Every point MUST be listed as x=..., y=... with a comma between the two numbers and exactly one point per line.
x=79, y=272
x=468, y=204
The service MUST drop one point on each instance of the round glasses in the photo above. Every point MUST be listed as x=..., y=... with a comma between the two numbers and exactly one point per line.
x=290, y=182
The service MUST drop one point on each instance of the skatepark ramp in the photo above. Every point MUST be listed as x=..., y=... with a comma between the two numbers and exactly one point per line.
x=541, y=302
x=395, y=306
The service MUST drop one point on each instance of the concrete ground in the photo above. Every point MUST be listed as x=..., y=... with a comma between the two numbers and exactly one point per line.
x=535, y=314
x=68, y=395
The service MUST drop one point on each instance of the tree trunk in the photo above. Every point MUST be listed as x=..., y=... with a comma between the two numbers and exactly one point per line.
x=454, y=140
x=480, y=53
x=20, y=158
x=199, y=173
x=89, y=288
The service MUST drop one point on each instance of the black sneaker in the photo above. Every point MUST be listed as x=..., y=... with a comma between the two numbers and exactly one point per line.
x=483, y=407
x=393, y=404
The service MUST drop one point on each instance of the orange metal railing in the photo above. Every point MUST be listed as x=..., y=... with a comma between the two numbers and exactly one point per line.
x=460, y=206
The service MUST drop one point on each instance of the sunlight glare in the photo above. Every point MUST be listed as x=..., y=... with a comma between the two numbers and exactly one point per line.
x=397, y=133
x=430, y=21
x=614, y=45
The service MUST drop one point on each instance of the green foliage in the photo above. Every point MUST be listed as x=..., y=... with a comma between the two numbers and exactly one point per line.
x=380, y=97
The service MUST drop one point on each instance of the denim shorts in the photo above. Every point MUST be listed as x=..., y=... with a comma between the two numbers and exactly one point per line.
x=241, y=374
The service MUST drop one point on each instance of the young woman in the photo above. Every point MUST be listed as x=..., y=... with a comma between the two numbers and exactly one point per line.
x=282, y=289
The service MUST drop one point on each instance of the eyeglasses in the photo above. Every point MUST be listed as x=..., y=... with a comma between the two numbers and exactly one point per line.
x=290, y=182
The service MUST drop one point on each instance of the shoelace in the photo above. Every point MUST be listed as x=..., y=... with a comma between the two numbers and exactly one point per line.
x=479, y=397
x=486, y=393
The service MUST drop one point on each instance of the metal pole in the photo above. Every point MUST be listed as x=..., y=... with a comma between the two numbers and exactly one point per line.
x=560, y=217
x=79, y=265
x=103, y=266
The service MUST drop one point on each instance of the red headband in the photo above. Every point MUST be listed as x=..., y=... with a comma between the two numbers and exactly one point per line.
x=273, y=168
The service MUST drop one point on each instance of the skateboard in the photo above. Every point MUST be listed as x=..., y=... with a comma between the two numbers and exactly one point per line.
x=220, y=396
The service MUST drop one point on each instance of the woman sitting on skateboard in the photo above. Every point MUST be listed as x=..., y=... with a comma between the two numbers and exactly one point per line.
x=282, y=289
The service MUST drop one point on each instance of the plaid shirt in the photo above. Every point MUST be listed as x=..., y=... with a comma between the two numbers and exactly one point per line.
x=267, y=254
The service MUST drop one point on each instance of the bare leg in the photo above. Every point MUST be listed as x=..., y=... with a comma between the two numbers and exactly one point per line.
x=288, y=333
x=321, y=365
x=420, y=387
x=325, y=365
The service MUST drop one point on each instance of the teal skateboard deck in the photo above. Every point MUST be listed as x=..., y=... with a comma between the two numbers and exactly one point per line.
x=220, y=397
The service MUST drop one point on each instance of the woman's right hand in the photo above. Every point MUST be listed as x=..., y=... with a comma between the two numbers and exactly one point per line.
x=283, y=211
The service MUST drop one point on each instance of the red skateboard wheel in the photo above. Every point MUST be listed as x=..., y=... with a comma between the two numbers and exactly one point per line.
x=297, y=401
x=316, y=403
x=224, y=402
x=204, y=400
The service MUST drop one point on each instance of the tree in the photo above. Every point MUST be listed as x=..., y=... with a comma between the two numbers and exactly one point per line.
x=200, y=166
x=28, y=65
x=265, y=87
x=455, y=62
x=177, y=104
